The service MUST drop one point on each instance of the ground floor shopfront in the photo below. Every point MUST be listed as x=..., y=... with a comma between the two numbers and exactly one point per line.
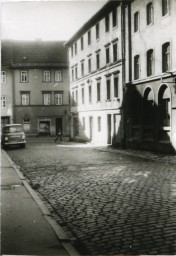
x=151, y=115
x=101, y=127
x=43, y=121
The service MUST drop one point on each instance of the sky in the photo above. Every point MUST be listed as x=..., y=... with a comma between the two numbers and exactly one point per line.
x=46, y=20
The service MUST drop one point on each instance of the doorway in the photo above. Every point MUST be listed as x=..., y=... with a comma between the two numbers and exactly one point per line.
x=109, y=137
x=58, y=125
x=91, y=127
x=75, y=127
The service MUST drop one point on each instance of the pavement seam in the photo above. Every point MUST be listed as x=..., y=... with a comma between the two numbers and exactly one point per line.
x=62, y=237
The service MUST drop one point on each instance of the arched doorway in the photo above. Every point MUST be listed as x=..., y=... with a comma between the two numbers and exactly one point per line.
x=148, y=114
x=164, y=112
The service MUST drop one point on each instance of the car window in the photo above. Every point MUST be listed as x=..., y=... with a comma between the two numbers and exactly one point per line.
x=12, y=129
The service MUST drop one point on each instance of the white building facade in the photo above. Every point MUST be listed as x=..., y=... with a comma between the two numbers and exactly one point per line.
x=96, y=78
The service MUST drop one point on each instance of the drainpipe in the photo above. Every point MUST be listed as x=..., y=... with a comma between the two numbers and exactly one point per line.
x=123, y=46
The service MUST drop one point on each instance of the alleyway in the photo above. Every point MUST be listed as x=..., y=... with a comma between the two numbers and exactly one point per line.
x=107, y=202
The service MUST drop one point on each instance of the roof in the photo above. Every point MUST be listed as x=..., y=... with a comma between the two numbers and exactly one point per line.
x=95, y=18
x=33, y=54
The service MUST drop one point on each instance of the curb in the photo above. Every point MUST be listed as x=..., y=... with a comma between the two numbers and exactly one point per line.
x=62, y=237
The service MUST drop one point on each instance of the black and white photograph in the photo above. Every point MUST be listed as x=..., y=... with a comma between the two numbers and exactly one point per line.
x=88, y=127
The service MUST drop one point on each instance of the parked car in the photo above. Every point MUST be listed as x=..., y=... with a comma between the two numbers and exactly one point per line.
x=13, y=134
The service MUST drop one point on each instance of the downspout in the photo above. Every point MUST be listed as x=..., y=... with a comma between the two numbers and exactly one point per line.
x=129, y=44
x=123, y=46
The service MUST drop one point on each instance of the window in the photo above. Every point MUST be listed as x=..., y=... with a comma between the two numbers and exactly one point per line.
x=3, y=76
x=89, y=65
x=150, y=62
x=97, y=31
x=76, y=96
x=108, y=89
x=107, y=55
x=116, y=86
x=3, y=101
x=72, y=74
x=58, y=76
x=114, y=17
x=47, y=99
x=82, y=94
x=136, y=67
x=89, y=37
x=82, y=43
x=136, y=21
x=149, y=13
x=98, y=60
x=83, y=123
x=115, y=52
x=46, y=76
x=165, y=7
x=75, y=48
x=98, y=91
x=24, y=76
x=58, y=98
x=107, y=23
x=73, y=101
x=82, y=68
x=72, y=50
x=90, y=93
x=76, y=72
x=99, y=123
x=166, y=57
x=25, y=99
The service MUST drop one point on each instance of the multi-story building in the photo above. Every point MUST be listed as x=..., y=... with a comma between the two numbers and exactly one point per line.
x=151, y=92
x=6, y=86
x=38, y=76
x=96, y=77
x=123, y=75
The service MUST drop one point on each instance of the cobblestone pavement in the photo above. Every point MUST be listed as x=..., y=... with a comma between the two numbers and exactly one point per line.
x=107, y=202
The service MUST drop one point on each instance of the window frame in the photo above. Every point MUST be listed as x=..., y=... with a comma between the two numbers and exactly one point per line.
x=45, y=72
x=82, y=43
x=3, y=77
x=114, y=18
x=27, y=103
x=58, y=71
x=136, y=67
x=98, y=91
x=107, y=49
x=82, y=69
x=108, y=89
x=89, y=37
x=99, y=123
x=149, y=14
x=116, y=86
x=89, y=65
x=165, y=11
x=150, y=62
x=166, y=57
x=24, y=75
x=107, y=23
x=136, y=22
x=97, y=29
x=44, y=99
x=56, y=99
x=3, y=100
x=98, y=60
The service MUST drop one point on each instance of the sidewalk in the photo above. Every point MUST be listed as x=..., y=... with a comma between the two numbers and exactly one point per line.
x=25, y=229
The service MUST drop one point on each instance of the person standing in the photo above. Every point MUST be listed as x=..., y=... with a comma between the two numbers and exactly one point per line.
x=59, y=136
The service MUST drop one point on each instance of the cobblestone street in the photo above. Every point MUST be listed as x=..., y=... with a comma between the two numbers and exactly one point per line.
x=107, y=202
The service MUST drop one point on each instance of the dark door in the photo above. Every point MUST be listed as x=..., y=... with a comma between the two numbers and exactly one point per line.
x=75, y=127
x=5, y=120
x=58, y=125
x=91, y=126
x=109, y=140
